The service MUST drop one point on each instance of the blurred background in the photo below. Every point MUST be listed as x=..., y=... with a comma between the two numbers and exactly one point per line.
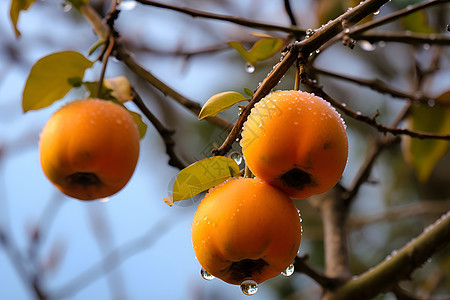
x=134, y=246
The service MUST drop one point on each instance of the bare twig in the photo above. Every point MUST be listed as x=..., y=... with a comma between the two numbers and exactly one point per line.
x=231, y=19
x=301, y=266
x=377, y=85
x=412, y=38
x=287, y=7
x=401, y=212
x=165, y=133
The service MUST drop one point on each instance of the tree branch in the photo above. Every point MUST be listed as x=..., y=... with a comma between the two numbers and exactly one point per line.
x=301, y=266
x=165, y=133
x=232, y=19
x=399, y=266
x=301, y=51
x=412, y=38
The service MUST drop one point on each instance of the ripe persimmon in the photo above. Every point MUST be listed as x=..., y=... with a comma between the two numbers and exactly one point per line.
x=295, y=141
x=89, y=148
x=245, y=229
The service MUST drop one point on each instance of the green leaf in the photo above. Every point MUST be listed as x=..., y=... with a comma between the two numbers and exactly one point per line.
x=263, y=49
x=424, y=154
x=248, y=92
x=219, y=102
x=49, y=78
x=92, y=88
x=16, y=7
x=142, y=127
x=202, y=175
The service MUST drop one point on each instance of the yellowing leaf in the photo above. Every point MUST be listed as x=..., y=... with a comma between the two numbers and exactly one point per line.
x=120, y=88
x=202, y=175
x=218, y=103
x=142, y=127
x=50, y=77
x=417, y=22
x=424, y=154
x=263, y=49
x=16, y=7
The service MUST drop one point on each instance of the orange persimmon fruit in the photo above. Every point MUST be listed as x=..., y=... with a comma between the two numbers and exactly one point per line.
x=295, y=141
x=245, y=229
x=89, y=148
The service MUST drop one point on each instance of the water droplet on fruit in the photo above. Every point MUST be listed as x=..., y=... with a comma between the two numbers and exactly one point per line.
x=249, y=287
x=249, y=68
x=206, y=275
x=289, y=271
x=104, y=200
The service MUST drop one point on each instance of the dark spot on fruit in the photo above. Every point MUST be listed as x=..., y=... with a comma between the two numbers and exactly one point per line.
x=296, y=178
x=246, y=268
x=84, y=179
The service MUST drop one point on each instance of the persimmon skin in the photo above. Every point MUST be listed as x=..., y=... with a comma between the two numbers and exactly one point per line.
x=297, y=142
x=89, y=148
x=246, y=229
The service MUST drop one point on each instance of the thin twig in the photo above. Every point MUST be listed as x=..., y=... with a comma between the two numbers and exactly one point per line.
x=231, y=19
x=377, y=85
x=372, y=120
x=411, y=38
x=165, y=133
x=287, y=7
x=401, y=212
x=301, y=266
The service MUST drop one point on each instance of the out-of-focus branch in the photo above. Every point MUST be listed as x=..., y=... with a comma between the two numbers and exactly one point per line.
x=400, y=265
x=301, y=266
x=231, y=19
x=289, y=12
x=115, y=258
x=394, y=16
x=412, y=38
x=17, y=259
x=377, y=85
x=401, y=212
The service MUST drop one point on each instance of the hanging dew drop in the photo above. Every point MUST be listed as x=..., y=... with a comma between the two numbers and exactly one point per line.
x=289, y=271
x=66, y=6
x=377, y=12
x=237, y=157
x=249, y=287
x=249, y=68
x=206, y=275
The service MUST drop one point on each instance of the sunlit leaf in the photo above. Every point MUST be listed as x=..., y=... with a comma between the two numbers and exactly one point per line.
x=425, y=154
x=16, y=7
x=120, y=88
x=142, y=127
x=50, y=78
x=263, y=49
x=203, y=175
x=219, y=102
